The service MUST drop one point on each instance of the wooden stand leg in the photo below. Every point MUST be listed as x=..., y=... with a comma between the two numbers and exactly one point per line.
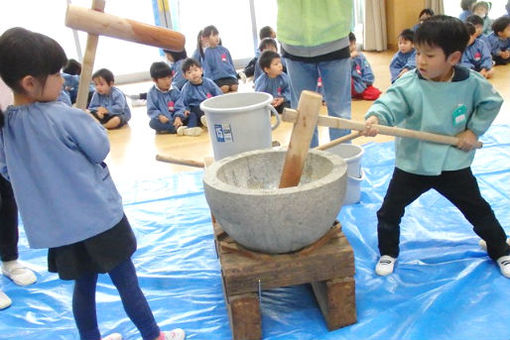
x=244, y=314
x=337, y=301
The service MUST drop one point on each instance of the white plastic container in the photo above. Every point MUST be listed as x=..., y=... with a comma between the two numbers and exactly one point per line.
x=239, y=122
x=351, y=153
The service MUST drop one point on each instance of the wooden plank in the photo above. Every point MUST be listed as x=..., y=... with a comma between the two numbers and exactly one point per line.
x=242, y=274
x=337, y=301
x=308, y=112
x=244, y=315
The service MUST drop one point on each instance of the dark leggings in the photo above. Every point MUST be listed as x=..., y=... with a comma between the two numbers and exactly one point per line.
x=459, y=187
x=125, y=280
x=8, y=222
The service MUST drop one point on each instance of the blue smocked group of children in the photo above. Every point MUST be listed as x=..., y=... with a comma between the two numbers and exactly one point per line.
x=73, y=208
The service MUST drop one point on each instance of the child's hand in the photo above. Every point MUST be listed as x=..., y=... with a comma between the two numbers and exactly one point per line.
x=483, y=72
x=467, y=140
x=370, y=129
x=505, y=54
x=402, y=72
x=186, y=113
x=102, y=111
x=177, y=122
x=163, y=119
x=277, y=101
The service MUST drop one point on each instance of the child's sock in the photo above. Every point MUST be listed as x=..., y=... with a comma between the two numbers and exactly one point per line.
x=203, y=120
x=113, y=336
x=385, y=265
x=174, y=334
x=504, y=265
x=18, y=273
x=4, y=300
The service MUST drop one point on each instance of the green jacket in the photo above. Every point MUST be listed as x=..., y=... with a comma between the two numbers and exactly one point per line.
x=313, y=22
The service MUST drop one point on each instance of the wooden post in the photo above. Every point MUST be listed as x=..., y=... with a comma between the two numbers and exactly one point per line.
x=88, y=62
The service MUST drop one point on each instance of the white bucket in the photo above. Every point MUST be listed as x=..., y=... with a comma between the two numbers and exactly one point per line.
x=239, y=122
x=351, y=153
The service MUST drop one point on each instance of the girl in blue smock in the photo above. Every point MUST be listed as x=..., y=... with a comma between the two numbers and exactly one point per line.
x=53, y=156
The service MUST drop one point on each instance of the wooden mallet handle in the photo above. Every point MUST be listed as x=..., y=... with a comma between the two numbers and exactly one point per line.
x=99, y=23
x=181, y=161
x=290, y=115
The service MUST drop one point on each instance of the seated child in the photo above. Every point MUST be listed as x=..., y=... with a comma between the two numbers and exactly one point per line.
x=194, y=92
x=162, y=100
x=499, y=41
x=266, y=44
x=482, y=8
x=478, y=23
x=71, y=74
x=274, y=81
x=466, y=9
x=477, y=55
x=424, y=15
x=438, y=97
x=362, y=76
x=405, y=59
x=176, y=59
x=218, y=64
x=108, y=103
x=265, y=32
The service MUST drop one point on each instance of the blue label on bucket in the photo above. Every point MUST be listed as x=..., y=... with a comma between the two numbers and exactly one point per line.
x=223, y=133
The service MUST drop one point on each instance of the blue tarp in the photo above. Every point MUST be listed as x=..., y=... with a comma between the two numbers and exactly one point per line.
x=444, y=286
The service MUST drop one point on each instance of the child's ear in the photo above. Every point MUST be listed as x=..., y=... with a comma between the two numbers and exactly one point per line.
x=28, y=83
x=454, y=58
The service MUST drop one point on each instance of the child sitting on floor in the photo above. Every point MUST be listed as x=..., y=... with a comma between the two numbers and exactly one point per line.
x=194, y=92
x=162, y=100
x=72, y=208
x=218, y=64
x=108, y=103
x=499, y=41
x=405, y=59
x=477, y=55
x=362, y=76
x=439, y=97
x=274, y=81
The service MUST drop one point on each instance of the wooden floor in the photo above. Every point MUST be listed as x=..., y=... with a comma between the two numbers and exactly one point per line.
x=134, y=148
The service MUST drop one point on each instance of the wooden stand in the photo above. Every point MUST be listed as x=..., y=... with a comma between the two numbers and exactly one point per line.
x=328, y=265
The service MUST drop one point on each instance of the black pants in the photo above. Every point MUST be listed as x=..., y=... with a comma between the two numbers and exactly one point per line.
x=459, y=187
x=8, y=222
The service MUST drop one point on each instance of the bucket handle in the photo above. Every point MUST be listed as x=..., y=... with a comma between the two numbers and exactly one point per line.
x=274, y=113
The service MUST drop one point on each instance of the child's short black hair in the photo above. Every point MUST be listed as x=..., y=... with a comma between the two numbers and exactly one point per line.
x=352, y=37
x=72, y=67
x=500, y=24
x=407, y=34
x=160, y=69
x=448, y=33
x=188, y=63
x=466, y=4
x=267, y=42
x=475, y=20
x=266, y=32
x=176, y=56
x=106, y=74
x=266, y=58
x=470, y=28
x=210, y=30
x=24, y=53
x=427, y=11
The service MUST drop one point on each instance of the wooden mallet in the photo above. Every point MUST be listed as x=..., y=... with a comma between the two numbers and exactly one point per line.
x=96, y=23
x=290, y=115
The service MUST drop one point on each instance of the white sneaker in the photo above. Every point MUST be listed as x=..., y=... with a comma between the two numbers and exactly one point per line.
x=483, y=244
x=186, y=131
x=113, y=336
x=504, y=265
x=174, y=334
x=4, y=300
x=385, y=265
x=21, y=275
x=242, y=76
x=203, y=120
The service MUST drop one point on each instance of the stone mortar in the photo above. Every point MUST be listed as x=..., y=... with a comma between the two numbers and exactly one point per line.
x=243, y=194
